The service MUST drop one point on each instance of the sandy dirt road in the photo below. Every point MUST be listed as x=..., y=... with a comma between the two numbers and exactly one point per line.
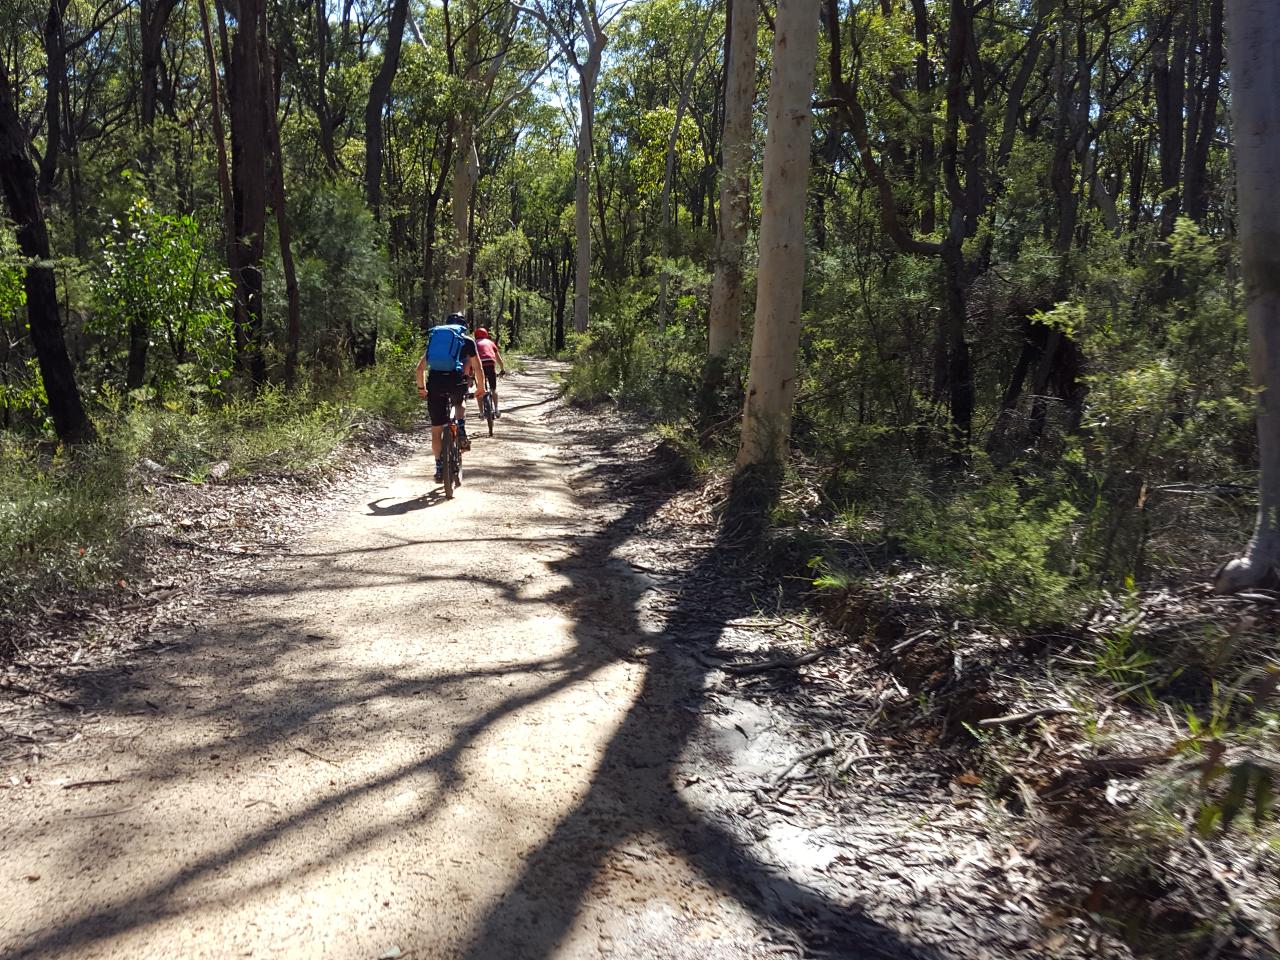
x=401, y=741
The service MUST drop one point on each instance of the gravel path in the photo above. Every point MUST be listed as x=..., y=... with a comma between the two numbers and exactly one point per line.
x=405, y=740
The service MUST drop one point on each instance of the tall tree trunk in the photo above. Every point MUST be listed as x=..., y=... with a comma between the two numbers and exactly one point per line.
x=582, y=194
x=1253, y=37
x=1170, y=82
x=248, y=90
x=224, y=173
x=55, y=80
x=379, y=91
x=967, y=196
x=724, y=321
x=696, y=48
x=1196, y=186
x=293, y=331
x=766, y=415
x=324, y=113
x=926, y=164
x=22, y=198
x=466, y=171
x=153, y=18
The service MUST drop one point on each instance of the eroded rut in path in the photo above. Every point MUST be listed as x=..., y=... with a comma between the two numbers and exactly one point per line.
x=414, y=737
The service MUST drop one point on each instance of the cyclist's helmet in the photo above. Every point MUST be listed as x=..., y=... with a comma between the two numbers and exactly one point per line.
x=458, y=318
x=482, y=333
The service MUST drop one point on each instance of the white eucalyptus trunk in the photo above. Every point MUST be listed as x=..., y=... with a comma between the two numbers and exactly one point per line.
x=771, y=385
x=466, y=171
x=725, y=317
x=1253, y=49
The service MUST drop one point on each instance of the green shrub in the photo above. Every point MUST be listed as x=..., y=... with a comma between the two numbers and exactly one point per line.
x=625, y=357
x=63, y=520
x=157, y=273
x=344, y=275
x=1005, y=553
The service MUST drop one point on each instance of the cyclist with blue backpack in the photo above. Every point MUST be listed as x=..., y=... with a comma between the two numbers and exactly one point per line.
x=442, y=380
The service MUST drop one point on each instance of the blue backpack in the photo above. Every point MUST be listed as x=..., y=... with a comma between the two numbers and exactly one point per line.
x=444, y=348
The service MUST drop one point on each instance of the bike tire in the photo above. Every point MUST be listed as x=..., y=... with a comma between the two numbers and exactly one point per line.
x=450, y=461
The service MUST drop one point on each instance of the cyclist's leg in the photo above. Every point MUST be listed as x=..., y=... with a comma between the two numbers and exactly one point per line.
x=438, y=410
x=458, y=403
x=491, y=381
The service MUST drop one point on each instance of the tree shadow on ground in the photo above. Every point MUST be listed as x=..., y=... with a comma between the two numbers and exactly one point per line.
x=636, y=792
x=633, y=794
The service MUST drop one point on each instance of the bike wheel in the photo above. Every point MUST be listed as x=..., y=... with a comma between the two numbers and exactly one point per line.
x=450, y=461
x=488, y=414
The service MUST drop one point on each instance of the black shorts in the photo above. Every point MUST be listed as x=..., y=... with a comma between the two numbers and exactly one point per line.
x=442, y=400
x=491, y=375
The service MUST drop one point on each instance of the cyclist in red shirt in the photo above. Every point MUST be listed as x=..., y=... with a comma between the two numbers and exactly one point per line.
x=490, y=358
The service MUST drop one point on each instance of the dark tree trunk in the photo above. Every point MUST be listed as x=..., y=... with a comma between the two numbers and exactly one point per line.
x=56, y=78
x=294, y=328
x=926, y=161
x=22, y=199
x=379, y=91
x=959, y=372
x=1196, y=185
x=224, y=172
x=153, y=17
x=324, y=114
x=1170, y=81
x=248, y=88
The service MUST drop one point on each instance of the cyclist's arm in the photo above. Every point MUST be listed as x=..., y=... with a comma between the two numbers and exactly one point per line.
x=420, y=375
x=502, y=363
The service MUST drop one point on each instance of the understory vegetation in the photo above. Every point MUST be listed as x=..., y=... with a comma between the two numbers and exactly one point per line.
x=68, y=515
x=1010, y=436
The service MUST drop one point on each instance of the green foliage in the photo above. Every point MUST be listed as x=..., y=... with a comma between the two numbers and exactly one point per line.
x=22, y=396
x=157, y=273
x=1002, y=550
x=624, y=358
x=13, y=296
x=63, y=521
x=344, y=276
x=1168, y=405
x=385, y=390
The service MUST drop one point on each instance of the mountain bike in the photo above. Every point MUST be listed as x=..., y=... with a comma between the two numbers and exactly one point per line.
x=451, y=455
x=489, y=410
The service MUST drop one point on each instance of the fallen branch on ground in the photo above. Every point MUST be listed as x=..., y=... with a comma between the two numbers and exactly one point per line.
x=742, y=669
x=19, y=688
x=1026, y=715
x=312, y=753
x=827, y=748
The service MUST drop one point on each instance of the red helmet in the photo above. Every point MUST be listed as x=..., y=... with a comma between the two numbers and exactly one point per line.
x=482, y=333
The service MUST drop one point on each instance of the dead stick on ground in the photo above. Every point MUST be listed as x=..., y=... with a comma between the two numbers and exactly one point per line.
x=822, y=751
x=19, y=688
x=312, y=753
x=911, y=641
x=1028, y=715
x=853, y=758
x=89, y=783
x=746, y=668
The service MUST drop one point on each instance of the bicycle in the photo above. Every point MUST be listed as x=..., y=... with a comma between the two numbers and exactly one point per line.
x=488, y=410
x=451, y=459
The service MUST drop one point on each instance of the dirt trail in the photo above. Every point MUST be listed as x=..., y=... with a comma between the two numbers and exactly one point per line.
x=393, y=745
